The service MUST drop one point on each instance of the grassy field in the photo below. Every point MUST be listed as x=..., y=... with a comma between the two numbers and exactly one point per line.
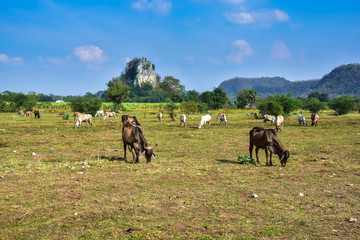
x=57, y=182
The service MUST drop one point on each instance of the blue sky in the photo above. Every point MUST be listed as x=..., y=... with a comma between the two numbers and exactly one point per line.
x=73, y=47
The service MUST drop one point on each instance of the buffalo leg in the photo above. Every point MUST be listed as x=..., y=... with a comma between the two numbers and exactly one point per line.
x=266, y=153
x=251, y=149
x=257, y=155
x=124, y=151
x=270, y=158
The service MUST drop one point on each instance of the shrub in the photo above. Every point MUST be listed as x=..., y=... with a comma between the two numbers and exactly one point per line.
x=314, y=105
x=66, y=116
x=342, y=104
x=270, y=107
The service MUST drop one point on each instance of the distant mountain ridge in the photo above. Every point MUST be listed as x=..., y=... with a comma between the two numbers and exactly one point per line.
x=343, y=80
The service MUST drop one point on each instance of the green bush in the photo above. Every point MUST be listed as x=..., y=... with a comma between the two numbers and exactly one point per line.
x=66, y=116
x=314, y=105
x=244, y=159
x=342, y=104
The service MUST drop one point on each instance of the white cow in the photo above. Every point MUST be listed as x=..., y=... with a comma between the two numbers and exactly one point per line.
x=270, y=118
x=109, y=114
x=301, y=119
x=223, y=119
x=99, y=113
x=159, y=115
x=279, y=122
x=83, y=118
x=183, y=120
x=204, y=120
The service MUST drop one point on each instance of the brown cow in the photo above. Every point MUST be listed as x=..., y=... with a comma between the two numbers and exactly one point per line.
x=267, y=139
x=172, y=116
x=314, y=119
x=133, y=137
x=21, y=112
x=37, y=114
x=28, y=113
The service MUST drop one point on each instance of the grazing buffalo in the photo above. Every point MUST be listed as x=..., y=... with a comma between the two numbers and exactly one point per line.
x=133, y=137
x=267, y=139
x=314, y=119
x=37, y=114
x=83, y=118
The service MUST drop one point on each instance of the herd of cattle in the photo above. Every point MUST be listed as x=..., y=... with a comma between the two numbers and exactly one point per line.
x=133, y=137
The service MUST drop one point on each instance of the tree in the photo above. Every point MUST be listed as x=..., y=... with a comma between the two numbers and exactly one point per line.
x=246, y=97
x=172, y=87
x=87, y=104
x=32, y=99
x=287, y=102
x=220, y=98
x=189, y=107
x=270, y=107
x=323, y=97
x=314, y=105
x=117, y=91
x=342, y=104
x=193, y=96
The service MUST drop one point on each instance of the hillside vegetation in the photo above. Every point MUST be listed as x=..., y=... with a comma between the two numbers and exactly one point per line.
x=343, y=80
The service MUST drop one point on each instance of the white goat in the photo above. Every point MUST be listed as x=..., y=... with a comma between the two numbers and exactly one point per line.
x=205, y=119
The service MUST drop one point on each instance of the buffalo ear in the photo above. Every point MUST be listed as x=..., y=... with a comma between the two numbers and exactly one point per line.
x=142, y=155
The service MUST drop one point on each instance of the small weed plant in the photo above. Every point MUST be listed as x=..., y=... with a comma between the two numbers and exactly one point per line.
x=244, y=159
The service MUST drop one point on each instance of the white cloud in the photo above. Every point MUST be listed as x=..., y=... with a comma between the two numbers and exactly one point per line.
x=262, y=16
x=280, y=51
x=17, y=61
x=189, y=58
x=4, y=58
x=157, y=6
x=213, y=60
x=241, y=49
x=93, y=55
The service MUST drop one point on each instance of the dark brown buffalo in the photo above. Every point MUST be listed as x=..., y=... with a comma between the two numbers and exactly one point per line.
x=133, y=137
x=37, y=114
x=267, y=139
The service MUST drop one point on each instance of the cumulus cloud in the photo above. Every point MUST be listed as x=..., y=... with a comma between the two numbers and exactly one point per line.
x=262, y=16
x=157, y=6
x=12, y=61
x=241, y=49
x=90, y=54
x=280, y=51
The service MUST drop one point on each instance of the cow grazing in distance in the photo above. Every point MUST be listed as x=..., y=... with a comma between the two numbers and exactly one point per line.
x=37, y=114
x=183, y=120
x=28, y=113
x=20, y=112
x=133, y=137
x=109, y=114
x=83, y=118
x=314, y=119
x=301, y=119
x=99, y=113
x=159, y=115
x=270, y=118
x=205, y=120
x=279, y=123
x=222, y=118
x=267, y=139
x=172, y=116
x=77, y=115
